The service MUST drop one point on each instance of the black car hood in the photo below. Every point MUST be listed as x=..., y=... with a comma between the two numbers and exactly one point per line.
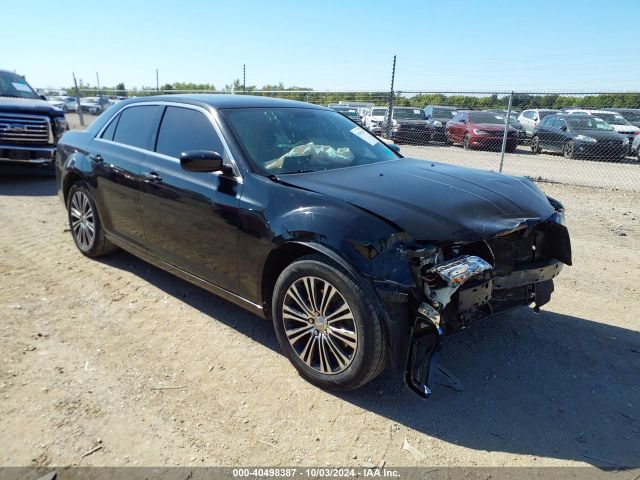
x=598, y=134
x=29, y=105
x=433, y=201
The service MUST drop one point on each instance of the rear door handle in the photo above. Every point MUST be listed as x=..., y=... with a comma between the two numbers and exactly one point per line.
x=152, y=176
x=96, y=158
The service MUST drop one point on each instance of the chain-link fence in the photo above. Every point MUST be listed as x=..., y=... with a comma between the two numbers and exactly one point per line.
x=589, y=139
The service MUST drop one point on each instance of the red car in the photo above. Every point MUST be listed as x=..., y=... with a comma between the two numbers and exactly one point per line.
x=480, y=130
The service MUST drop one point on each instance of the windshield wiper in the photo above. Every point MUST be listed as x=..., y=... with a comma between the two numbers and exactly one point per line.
x=298, y=171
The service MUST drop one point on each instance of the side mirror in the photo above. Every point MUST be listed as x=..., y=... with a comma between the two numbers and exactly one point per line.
x=394, y=147
x=201, y=161
x=563, y=128
x=42, y=97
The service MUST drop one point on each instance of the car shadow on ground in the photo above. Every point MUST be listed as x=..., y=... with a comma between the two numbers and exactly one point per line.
x=547, y=385
x=35, y=184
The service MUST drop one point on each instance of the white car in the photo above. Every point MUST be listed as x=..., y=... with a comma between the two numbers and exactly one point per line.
x=635, y=147
x=373, y=121
x=529, y=119
x=617, y=121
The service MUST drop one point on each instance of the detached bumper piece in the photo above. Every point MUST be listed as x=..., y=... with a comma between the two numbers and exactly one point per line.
x=426, y=335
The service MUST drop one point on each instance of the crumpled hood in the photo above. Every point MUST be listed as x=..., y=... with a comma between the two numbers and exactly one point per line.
x=433, y=201
x=29, y=105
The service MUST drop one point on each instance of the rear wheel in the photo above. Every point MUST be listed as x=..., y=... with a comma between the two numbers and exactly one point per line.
x=84, y=222
x=327, y=325
x=535, y=145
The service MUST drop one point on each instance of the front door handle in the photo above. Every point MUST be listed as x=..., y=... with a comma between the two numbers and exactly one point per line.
x=152, y=176
x=96, y=158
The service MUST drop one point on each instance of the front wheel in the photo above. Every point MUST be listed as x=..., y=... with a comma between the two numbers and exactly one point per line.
x=465, y=142
x=327, y=325
x=84, y=222
x=535, y=145
x=569, y=150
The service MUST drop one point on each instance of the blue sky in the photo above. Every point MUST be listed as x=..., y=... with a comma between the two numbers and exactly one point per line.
x=545, y=45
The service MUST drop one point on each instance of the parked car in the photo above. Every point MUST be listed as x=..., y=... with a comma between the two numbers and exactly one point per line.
x=617, y=121
x=437, y=117
x=513, y=121
x=632, y=115
x=94, y=105
x=529, y=119
x=30, y=127
x=285, y=209
x=374, y=120
x=579, y=135
x=635, y=146
x=481, y=130
x=67, y=104
x=408, y=125
x=349, y=112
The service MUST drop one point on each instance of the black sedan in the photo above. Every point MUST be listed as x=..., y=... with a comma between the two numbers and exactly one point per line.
x=358, y=256
x=579, y=136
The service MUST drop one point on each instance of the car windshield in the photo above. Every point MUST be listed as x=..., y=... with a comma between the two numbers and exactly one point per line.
x=12, y=85
x=295, y=140
x=587, y=122
x=612, y=118
x=443, y=113
x=379, y=112
x=486, y=117
x=631, y=116
x=408, y=114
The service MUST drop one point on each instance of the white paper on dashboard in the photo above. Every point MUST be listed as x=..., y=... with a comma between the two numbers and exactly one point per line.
x=364, y=135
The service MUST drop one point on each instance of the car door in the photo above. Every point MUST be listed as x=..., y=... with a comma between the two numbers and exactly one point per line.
x=542, y=131
x=557, y=134
x=118, y=154
x=191, y=218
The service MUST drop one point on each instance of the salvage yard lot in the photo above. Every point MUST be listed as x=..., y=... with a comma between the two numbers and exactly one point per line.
x=120, y=355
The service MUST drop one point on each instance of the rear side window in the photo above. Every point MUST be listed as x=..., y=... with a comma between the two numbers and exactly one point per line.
x=184, y=129
x=135, y=126
x=108, y=133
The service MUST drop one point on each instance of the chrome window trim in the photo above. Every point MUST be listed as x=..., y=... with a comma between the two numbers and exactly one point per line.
x=212, y=119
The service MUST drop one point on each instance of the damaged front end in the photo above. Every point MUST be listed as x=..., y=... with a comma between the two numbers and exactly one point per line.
x=459, y=283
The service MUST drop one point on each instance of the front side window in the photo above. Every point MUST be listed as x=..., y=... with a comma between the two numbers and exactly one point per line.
x=529, y=114
x=135, y=126
x=185, y=129
x=293, y=140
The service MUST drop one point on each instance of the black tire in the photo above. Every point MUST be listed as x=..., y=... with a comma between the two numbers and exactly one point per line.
x=569, y=150
x=465, y=142
x=95, y=245
x=510, y=148
x=535, y=145
x=366, y=361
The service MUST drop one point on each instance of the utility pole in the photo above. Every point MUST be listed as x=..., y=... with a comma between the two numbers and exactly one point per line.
x=157, y=82
x=506, y=129
x=78, y=98
x=244, y=78
x=390, y=118
x=98, y=80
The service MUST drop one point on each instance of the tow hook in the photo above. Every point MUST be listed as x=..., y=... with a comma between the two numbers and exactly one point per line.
x=424, y=351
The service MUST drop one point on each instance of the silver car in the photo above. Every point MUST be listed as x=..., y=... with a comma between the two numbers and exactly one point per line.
x=529, y=119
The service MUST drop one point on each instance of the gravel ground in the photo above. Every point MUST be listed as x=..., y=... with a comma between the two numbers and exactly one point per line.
x=122, y=359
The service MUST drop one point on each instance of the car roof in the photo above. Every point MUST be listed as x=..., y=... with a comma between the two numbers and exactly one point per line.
x=226, y=101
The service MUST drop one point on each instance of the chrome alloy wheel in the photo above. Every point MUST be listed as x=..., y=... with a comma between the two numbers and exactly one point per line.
x=319, y=325
x=82, y=220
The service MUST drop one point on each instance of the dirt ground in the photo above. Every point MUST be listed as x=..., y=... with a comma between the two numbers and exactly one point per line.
x=121, y=358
